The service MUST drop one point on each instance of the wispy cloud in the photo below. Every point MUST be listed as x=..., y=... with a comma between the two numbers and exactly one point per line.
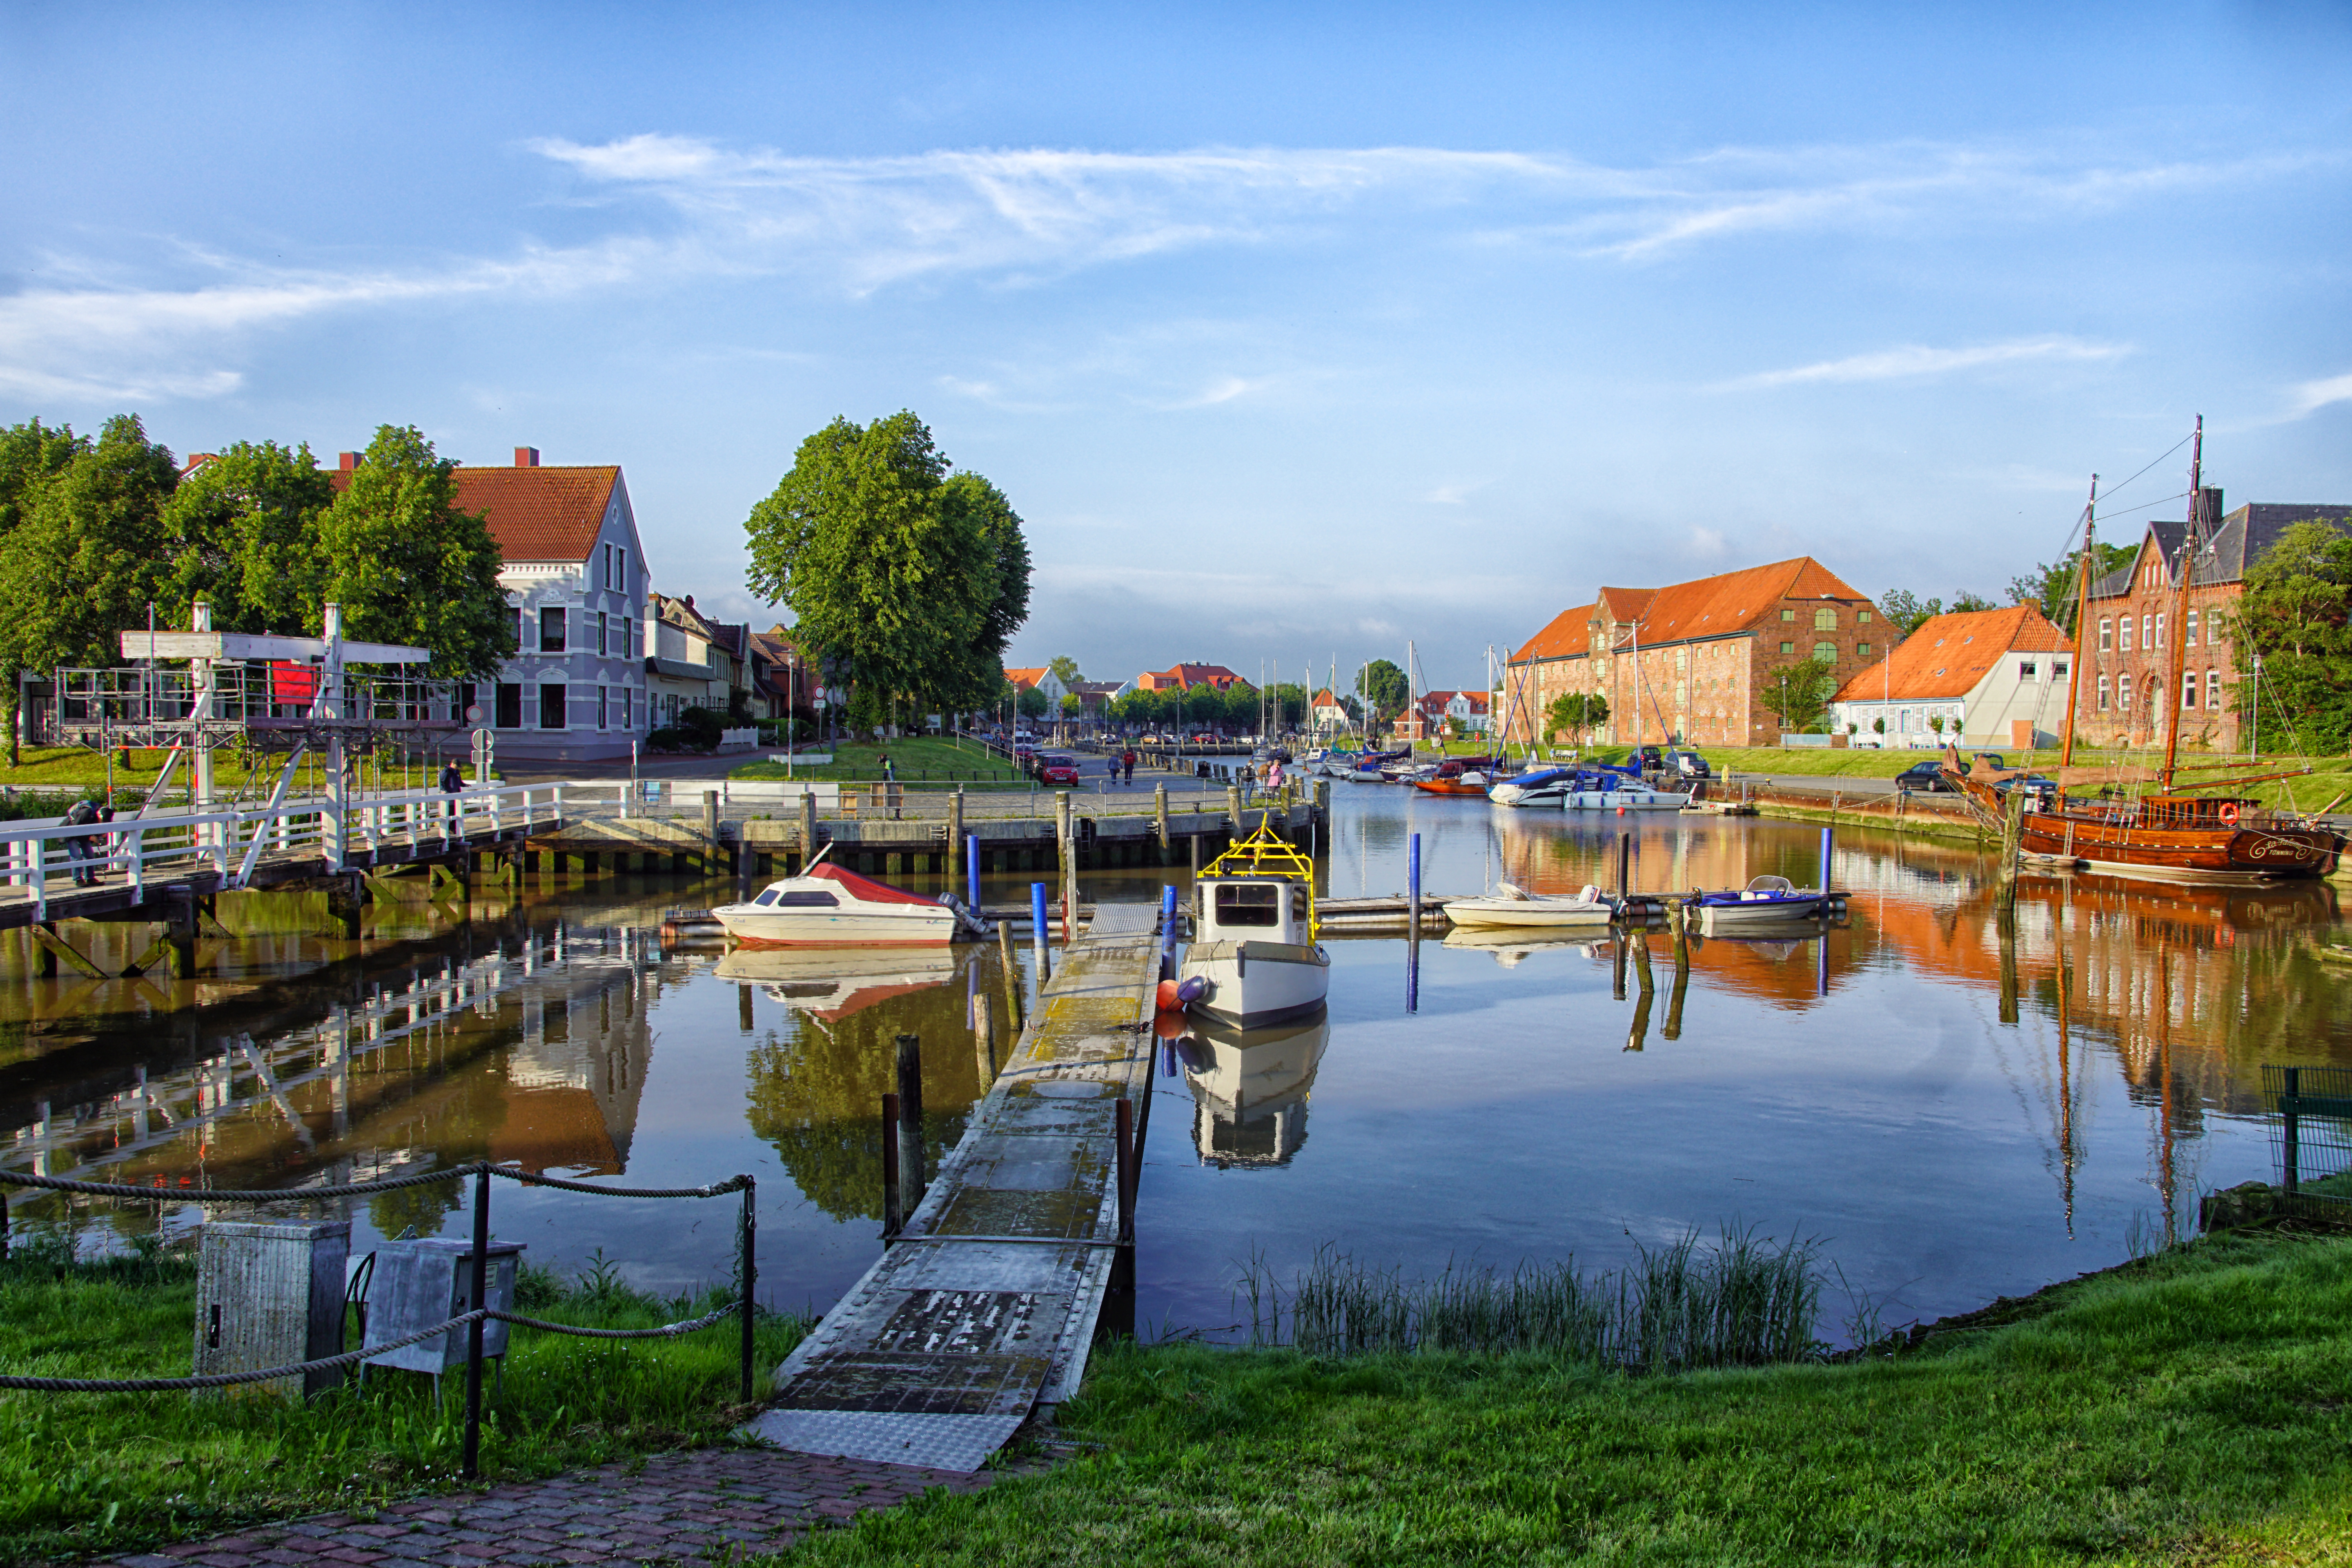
x=1914, y=361
x=2314, y=395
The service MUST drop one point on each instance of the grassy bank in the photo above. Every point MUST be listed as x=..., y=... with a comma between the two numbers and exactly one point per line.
x=915, y=761
x=2194, y=1407
x=110, y=1473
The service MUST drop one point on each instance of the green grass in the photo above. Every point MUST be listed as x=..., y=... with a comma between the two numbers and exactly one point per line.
x=2195, y=1407
x=916, y=762
x=112, y=1473
x=67, y=772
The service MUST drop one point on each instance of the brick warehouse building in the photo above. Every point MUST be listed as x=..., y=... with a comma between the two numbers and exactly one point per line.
x=2126, y=662
x=1705, y=651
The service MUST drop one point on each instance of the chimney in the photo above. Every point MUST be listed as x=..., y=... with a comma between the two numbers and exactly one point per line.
x=525, y=457
x=347, y=462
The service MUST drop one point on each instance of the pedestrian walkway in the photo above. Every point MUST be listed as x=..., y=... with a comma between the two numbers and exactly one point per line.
x=710, y=1505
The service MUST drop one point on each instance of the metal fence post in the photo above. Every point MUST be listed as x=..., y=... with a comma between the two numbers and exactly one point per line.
x=2290, y=1151
x=747, y=1233
x=479, y=1297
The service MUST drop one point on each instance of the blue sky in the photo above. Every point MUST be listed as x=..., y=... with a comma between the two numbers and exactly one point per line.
x=1292, y=333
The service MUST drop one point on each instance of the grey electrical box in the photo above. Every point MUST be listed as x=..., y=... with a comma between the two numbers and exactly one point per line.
x=429, y=1280
x=271, y=1295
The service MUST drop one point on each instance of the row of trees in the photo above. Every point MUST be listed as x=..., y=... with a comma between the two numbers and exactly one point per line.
x=94, y=532
x=912, y=575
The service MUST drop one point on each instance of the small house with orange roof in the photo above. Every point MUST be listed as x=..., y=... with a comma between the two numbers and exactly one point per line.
x=1325, y=712
x=1690, y=662
x=1184, y=677
x=1042, y=679
x=1986, y=678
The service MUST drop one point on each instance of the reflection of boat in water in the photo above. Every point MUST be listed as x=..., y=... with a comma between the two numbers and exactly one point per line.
x=830, y=907
x=1778, y=939
x=833, y=983
x=1250, y=1088
x=1512, y=946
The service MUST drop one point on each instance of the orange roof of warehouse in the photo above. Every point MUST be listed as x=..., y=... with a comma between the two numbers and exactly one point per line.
x=1721, y=606
x=1947, y=656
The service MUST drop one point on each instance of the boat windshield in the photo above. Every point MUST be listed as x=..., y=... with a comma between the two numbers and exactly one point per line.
x=765, y=898
x=1772, y=885
x=1249, y=903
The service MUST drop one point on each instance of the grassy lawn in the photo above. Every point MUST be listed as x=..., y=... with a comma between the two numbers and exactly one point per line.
x=65, y=771
x=110, y=1473
x=915, y=761
x=2193, y=1408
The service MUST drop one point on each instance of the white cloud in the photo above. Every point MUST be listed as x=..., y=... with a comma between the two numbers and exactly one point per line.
x=1913, y=362
x=2314, y=395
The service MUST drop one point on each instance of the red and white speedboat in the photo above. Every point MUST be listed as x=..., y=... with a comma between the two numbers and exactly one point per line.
x=829, y=907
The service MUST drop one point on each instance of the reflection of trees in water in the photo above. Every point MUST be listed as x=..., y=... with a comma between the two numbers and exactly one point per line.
x=816, y=1089
x=426, y=1208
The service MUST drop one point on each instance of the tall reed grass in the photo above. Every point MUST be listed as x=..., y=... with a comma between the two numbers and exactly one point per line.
x=1739, y=1300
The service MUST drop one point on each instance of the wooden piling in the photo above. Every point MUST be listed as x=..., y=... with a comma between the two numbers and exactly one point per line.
x=955, y=830
x=911, y=1120
x=808, y=829
x=1012, y=977
x=1159, y=813
x=894, y=1207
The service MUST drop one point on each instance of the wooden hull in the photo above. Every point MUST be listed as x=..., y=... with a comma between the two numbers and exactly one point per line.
x=2190, y=854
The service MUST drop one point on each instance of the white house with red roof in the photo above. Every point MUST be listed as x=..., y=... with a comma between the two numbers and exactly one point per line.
x=1987, y=678
x=1184, y=677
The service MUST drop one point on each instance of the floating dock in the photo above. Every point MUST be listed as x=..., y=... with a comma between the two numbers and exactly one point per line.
x=983, y=1307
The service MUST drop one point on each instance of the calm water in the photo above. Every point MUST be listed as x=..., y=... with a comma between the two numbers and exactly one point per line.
x=1873, y=1089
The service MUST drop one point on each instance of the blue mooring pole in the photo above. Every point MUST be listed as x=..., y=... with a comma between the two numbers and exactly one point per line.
x=1166, y=931
x=1826, y=858
x=1412, y=878
x=972, y=870
x=1412, y=925
x=1038, y=926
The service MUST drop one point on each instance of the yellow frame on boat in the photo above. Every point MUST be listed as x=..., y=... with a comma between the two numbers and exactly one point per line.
x=1263, y=855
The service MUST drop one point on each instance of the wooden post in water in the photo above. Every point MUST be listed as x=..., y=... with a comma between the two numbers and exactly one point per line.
x=1233, y=810
x=983, y=1034
x=1642, y=971
x=1160, y=813
x=743, y=1008
x=894, y=1208
x=2012, y=827
x=910, y=1118
x=1679, y=921
x=1012, y=975
x=808, y=827
x=955, y=832
x=709, y=829
x=1617, y=964
x=1624, y=865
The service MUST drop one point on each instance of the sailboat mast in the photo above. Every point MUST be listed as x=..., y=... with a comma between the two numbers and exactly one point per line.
x=2082, y=616
x=2177, y=643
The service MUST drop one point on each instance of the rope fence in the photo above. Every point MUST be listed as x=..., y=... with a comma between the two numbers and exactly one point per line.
x=479, y=1310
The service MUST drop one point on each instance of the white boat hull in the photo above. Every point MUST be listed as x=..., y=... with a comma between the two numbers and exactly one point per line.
x=1256, y=983
x=1762, y=912
x=887, y=927
x=1534, y=912
x=1623, y=800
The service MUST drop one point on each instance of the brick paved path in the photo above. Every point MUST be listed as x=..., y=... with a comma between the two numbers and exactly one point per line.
x=712, y=1503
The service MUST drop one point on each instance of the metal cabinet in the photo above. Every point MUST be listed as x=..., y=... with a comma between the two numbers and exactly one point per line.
x=271, y=1295
x=428, y=1280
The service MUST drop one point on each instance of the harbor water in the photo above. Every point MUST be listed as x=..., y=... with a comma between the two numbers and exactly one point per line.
x=1955, y=1113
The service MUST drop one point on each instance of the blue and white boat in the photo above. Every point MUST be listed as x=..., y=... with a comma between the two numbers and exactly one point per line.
x=1536, y=787
x=1766, y=901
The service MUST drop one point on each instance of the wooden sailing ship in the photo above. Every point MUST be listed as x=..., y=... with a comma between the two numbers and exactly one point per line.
x=2185, y=829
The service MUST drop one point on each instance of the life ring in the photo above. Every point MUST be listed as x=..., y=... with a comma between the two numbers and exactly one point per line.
x=2229, y=813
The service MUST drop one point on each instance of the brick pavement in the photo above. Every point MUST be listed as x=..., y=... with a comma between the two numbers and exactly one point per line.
x=711, y=1504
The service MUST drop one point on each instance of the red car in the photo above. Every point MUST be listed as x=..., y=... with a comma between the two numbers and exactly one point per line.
x=1057, y=770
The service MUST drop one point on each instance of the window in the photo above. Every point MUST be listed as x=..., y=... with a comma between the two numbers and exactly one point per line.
x=2212, y=689
x=2058, y=671
x=550, y=629
x=1788, y=648
x=1861, y=650
x=600, y=707
x=811, y=900
x=1861, y=617
x=1788, y=615
x=2155, y=629
x=1826, y=652
x=2103, y=694
x=628, y=720
x=766, y=898
x=2123, y=694
x=608, y=565
x=2106, y=634
x=1824, y=620
x=621, y=566
x=2188, y=689
x=1249, y=904
x=2028, y=670
x=2189, y=640
x=628, y=638
x=2124, y=641
x=514, y=627
x=551, y=705
x=603, y=633
x=510, y=710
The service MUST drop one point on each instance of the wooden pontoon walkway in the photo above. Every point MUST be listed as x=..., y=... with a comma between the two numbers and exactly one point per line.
x=985, y=1306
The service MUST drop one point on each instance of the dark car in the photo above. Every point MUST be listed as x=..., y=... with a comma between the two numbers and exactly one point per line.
x=1688, y=765
x=1927, y=778
x=1057, y=770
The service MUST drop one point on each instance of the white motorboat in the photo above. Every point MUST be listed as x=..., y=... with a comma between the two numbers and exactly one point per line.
x=1512, y=905
x=831, y=985
x=1765, y=901
x=1536, y=787
x=829, y=907
x=1254, y=959
x=1250, y=1088
x=1634, y=797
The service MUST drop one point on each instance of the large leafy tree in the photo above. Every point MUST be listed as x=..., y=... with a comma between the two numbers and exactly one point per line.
x=80, y=567
x=242, y=531
x=1799, y=693
x=917, y=575
x=1576, y=712
x=406, y=564
x=2294, y=613
x=1382, y=684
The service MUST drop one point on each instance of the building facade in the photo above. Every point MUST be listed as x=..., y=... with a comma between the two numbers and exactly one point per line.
x=1692, y=663
x=1184, y=677
x=688, y=661
x=2124, y=694
x=1992, y=677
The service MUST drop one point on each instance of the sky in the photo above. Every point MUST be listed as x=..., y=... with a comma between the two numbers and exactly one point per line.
x=1293, y=333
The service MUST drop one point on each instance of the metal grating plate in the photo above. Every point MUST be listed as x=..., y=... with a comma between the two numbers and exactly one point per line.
x=961, y=1443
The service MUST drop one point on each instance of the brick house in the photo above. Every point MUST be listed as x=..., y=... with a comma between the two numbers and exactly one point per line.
x=1184, y=677
x=1702, y=652
x=576, y=581
x=1994, y=677
x=2120, y=698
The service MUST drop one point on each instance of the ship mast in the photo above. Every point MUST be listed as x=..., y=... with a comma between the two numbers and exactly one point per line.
x=2179, y=647
x=2082, y=616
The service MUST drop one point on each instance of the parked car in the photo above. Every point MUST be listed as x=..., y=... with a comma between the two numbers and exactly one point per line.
x=1688, y=765
x=1927, y=778
x=1057, y=770
x=2036, y=785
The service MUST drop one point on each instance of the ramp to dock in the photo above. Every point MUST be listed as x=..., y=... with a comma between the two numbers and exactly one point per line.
x=986, y=1304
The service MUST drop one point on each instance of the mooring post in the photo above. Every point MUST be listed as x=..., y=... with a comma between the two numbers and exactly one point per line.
x=1412, y=879
x=955, y=832
x=1829, y=842
x=1041, y=933
x=710, y=828
x=1642, y=972
x=910, y=1118
x=743, y=1008
x=1681, y=925
x=2290, y=1129
x=972, y=871
x=894, y=1208
x=747, y=1231
x=1233, y=810
x=1196, y=865
x=478, y=1297
x=1159, y=814
x=2012, y=827
x=1167, y=931
x=808, y=827
x=1624, y=865
x=983, y=1029
x=1012, y=977
x=1617, y=964
x=1122, y=1266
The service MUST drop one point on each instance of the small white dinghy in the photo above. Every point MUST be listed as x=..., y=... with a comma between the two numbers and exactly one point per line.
x=1512, y=905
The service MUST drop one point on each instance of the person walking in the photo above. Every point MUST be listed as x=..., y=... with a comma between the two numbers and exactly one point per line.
x=889, y=770
x=452, y=782
x=81, y=849
x=1128, y=759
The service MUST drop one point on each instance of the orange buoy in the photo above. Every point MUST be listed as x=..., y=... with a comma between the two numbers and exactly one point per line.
x=2229, y=813
x=1166, y=998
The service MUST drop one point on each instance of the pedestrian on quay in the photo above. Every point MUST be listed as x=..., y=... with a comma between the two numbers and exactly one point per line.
x=889, y=771
x=82, y=847
x=452, y=781
x=1128, y=760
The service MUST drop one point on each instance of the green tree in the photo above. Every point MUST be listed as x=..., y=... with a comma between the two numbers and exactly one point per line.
x=242, y=531
x=2050, y=587
x=31, y=455
x=1032, y=703
x=81, y=565
x=1064, y=670
x=1799, y=693
x=407, y=565
x=917, y=576
x=1969, y=604
x=2293, y=614
x=1576, y=712
x=1382, y=684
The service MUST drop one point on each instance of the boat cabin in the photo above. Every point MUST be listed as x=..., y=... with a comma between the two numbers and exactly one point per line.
x=1253, y=908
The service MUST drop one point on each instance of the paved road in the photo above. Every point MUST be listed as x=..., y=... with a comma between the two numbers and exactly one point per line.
x=1821, y=781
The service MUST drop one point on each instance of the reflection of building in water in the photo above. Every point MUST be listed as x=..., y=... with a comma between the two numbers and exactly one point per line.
x=535, y=1053
x=1250, y=1088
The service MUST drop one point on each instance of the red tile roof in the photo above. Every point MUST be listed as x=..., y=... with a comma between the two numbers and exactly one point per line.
x=539, y=514
x=1721, y=606
x=1947, y=656
x=1023, y=679
x=1568, y=632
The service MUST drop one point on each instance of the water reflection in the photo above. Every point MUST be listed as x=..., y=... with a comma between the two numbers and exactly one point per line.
x=1250, y=1088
